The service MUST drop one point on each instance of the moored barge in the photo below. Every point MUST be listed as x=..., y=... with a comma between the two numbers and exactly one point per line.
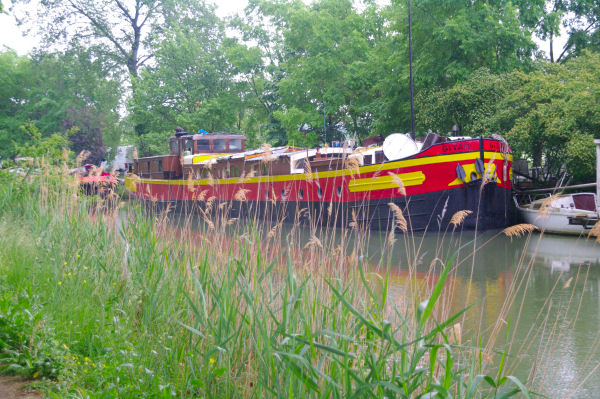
x=339, y=184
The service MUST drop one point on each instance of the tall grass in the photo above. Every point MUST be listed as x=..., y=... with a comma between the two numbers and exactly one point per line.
x=101, y=299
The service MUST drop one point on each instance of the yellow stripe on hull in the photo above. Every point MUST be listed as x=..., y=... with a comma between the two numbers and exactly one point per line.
x=385, y=182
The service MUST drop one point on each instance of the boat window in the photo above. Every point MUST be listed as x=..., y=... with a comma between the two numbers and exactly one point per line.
x=266, y=193
x=234, y=171
x=202, y=145
x=283, y=194
x=160, y=165
x=174, y=146
x=338, y=190
x=235, y=144
x=301, y=194
x=189, y=146
x=319, y=192
x=219, y=145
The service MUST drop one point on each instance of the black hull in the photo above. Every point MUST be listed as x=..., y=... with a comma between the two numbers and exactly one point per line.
x=490, y=209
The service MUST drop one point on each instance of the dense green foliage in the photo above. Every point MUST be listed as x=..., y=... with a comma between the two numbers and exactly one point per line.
x=550, y=115
x=307, y=72
x=44, y=89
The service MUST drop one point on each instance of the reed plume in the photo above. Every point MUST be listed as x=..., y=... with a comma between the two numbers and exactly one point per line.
x=201, y=195
x=82, y=156
x=240, y=195
x=398, y=182
x=400, y=220
x=314, y=241
x=595, y=231
x=459, y=217
x=308, y=171
x=519, y=230
x=352, y=164
x=546, y=205
x=354, y=223
x=209, y=203
x=267, y=153
x=190, y=182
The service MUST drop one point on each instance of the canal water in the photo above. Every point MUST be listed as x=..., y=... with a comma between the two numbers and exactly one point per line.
x=544, y=290
x=536, y=298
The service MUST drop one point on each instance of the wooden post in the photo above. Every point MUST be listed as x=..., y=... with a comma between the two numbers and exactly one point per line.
x=597, y=142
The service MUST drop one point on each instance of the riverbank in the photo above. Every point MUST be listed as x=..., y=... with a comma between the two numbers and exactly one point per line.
x=97, y=305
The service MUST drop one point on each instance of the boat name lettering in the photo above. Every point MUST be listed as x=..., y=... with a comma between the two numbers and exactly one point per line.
x=446, y=148
x=470, y=146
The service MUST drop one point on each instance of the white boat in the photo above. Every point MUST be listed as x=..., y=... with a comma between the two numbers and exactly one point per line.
x=573, y=214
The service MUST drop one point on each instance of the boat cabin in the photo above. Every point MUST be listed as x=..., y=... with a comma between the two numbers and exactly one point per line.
x=182, y=144
x=206, y=143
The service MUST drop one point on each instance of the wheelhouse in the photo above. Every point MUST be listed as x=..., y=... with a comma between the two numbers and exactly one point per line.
x=208, y=143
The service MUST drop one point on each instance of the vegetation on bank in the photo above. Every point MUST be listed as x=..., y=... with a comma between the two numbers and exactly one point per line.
x=99, y=300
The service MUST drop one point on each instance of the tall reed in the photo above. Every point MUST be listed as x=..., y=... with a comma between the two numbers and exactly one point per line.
x=127, y=303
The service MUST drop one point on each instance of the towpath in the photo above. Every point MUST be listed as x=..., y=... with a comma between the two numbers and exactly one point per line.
x=12, y=388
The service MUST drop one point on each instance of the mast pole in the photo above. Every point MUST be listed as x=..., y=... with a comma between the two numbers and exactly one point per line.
x=410, y=62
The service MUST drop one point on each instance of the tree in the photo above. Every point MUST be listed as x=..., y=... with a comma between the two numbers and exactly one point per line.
x=548, y=116
x=189, y=85
x=84, y=131
x=119, y=32
x=53, y=148
x=118, y=29
x=16, y=78
x=323, y=57
x=451, y=40
x=42, y=89
x=261, y=66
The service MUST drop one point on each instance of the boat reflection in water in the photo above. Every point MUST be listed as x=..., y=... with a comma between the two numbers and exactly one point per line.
x=560, y=253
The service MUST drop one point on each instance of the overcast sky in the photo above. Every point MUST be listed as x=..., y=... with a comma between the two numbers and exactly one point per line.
x=11, y=36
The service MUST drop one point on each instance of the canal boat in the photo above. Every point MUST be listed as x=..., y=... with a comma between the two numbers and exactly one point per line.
x=374, y=185
x=572, y=214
